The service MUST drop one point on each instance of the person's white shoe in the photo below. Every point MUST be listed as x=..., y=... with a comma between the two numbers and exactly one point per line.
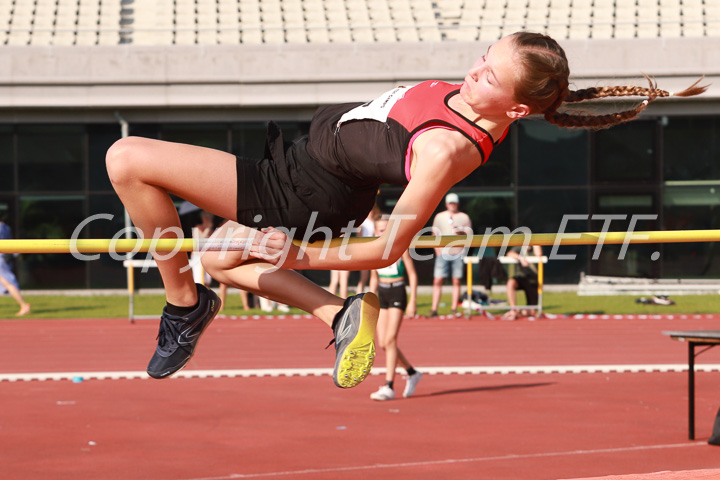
x=383, y=393
x=411, y=385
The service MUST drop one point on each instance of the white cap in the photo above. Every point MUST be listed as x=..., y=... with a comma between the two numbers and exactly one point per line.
x=452, y=198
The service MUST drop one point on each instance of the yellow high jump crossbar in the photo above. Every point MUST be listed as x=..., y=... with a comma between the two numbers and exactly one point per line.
x=165, y=245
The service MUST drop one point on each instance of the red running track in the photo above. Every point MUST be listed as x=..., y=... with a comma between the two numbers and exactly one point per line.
x=516, y=426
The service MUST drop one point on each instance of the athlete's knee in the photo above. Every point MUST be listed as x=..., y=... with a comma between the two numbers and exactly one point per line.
x=121, y=159
x=217, y=264
x=212, y=265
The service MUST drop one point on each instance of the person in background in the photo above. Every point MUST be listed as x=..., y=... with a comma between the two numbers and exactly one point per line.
x=367, y=229
x=202, y=230
x=339, y=280
x=8, y=280
x=243, y=297
x=525, y=279
x=449, y=260
x=394, y=303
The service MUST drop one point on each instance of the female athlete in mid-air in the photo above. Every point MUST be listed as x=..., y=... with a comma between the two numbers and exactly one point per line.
x=427, y=137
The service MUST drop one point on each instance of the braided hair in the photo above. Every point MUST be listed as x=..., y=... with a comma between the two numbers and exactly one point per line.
x=544, y=86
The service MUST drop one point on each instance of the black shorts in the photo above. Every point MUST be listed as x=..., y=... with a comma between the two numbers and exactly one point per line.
x=392, y=295
x=289, y=189
x=530, y=287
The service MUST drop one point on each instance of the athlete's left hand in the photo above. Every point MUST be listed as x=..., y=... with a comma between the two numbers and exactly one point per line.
x=274, y=247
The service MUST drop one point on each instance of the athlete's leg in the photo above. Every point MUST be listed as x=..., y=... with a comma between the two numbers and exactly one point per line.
x=455, y=299
x=283, y=286
x=144, y=172
x=382, y=327
x=440, y=271
x=512, y=287
x=15, y=293
x=363, y=282
x=245, y=299
x=385, y=392
x=402, y=359
x=436, y=293
x=344, y=279
x=223, y=296
x=334, y=281
x=393, y=319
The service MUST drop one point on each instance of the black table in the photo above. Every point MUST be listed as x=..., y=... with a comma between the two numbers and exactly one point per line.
x=694, y=338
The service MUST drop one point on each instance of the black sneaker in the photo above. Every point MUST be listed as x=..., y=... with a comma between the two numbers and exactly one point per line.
x=354, y=328
x=178, y=336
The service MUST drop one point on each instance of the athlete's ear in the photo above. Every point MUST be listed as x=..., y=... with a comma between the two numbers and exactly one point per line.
x=518, y=111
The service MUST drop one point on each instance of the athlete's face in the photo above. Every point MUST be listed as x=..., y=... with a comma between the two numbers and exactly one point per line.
x=489, y=87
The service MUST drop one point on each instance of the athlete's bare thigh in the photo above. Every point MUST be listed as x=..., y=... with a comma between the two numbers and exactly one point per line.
x=202, y=176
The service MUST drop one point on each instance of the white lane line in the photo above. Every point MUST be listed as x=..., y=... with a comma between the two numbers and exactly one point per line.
x=451, y=461
x=304, y=372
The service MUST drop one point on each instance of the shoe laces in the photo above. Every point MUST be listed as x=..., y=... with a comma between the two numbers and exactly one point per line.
x=167, y=333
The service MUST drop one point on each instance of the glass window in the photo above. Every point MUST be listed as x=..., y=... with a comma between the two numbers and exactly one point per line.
x=691, y=148
x=550, y=155
x=107, y=272
x=639, y=260
x=146, y=130
x=207, y=135
x=488, y=209
x=543, y=211
x=498, y=170
x=51, y=158
x=50, y=217
x=7, y=157
x=626, y=153
x=691, y=208
x=100, y=139
x=248, y=139
x=7, y=211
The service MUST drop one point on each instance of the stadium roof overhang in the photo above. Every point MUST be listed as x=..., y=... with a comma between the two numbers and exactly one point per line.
x=292, y=76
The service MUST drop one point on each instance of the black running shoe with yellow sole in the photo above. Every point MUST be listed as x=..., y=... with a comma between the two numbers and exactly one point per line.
x=354, y=328
x=178, y=336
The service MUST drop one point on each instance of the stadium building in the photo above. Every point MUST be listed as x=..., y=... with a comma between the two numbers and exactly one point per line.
x=213, y=72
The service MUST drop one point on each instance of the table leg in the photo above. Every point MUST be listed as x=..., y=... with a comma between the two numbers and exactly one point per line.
x=691, y=390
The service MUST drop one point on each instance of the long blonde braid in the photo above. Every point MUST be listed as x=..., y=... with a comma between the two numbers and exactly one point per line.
x=544, y=86
x=607, y=120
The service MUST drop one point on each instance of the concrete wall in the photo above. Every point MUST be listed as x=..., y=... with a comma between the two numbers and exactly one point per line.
x=291, y=76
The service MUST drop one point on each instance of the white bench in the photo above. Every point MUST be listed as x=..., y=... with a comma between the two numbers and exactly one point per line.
x=601, y=285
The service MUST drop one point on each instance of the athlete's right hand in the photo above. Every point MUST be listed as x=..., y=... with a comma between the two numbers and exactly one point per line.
x=274, y=246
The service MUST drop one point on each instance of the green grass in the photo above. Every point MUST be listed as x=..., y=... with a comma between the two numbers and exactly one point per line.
x=114, y=306
x=569, y=302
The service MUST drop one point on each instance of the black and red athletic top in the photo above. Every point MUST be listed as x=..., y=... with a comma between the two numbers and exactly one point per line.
x=370, y=143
